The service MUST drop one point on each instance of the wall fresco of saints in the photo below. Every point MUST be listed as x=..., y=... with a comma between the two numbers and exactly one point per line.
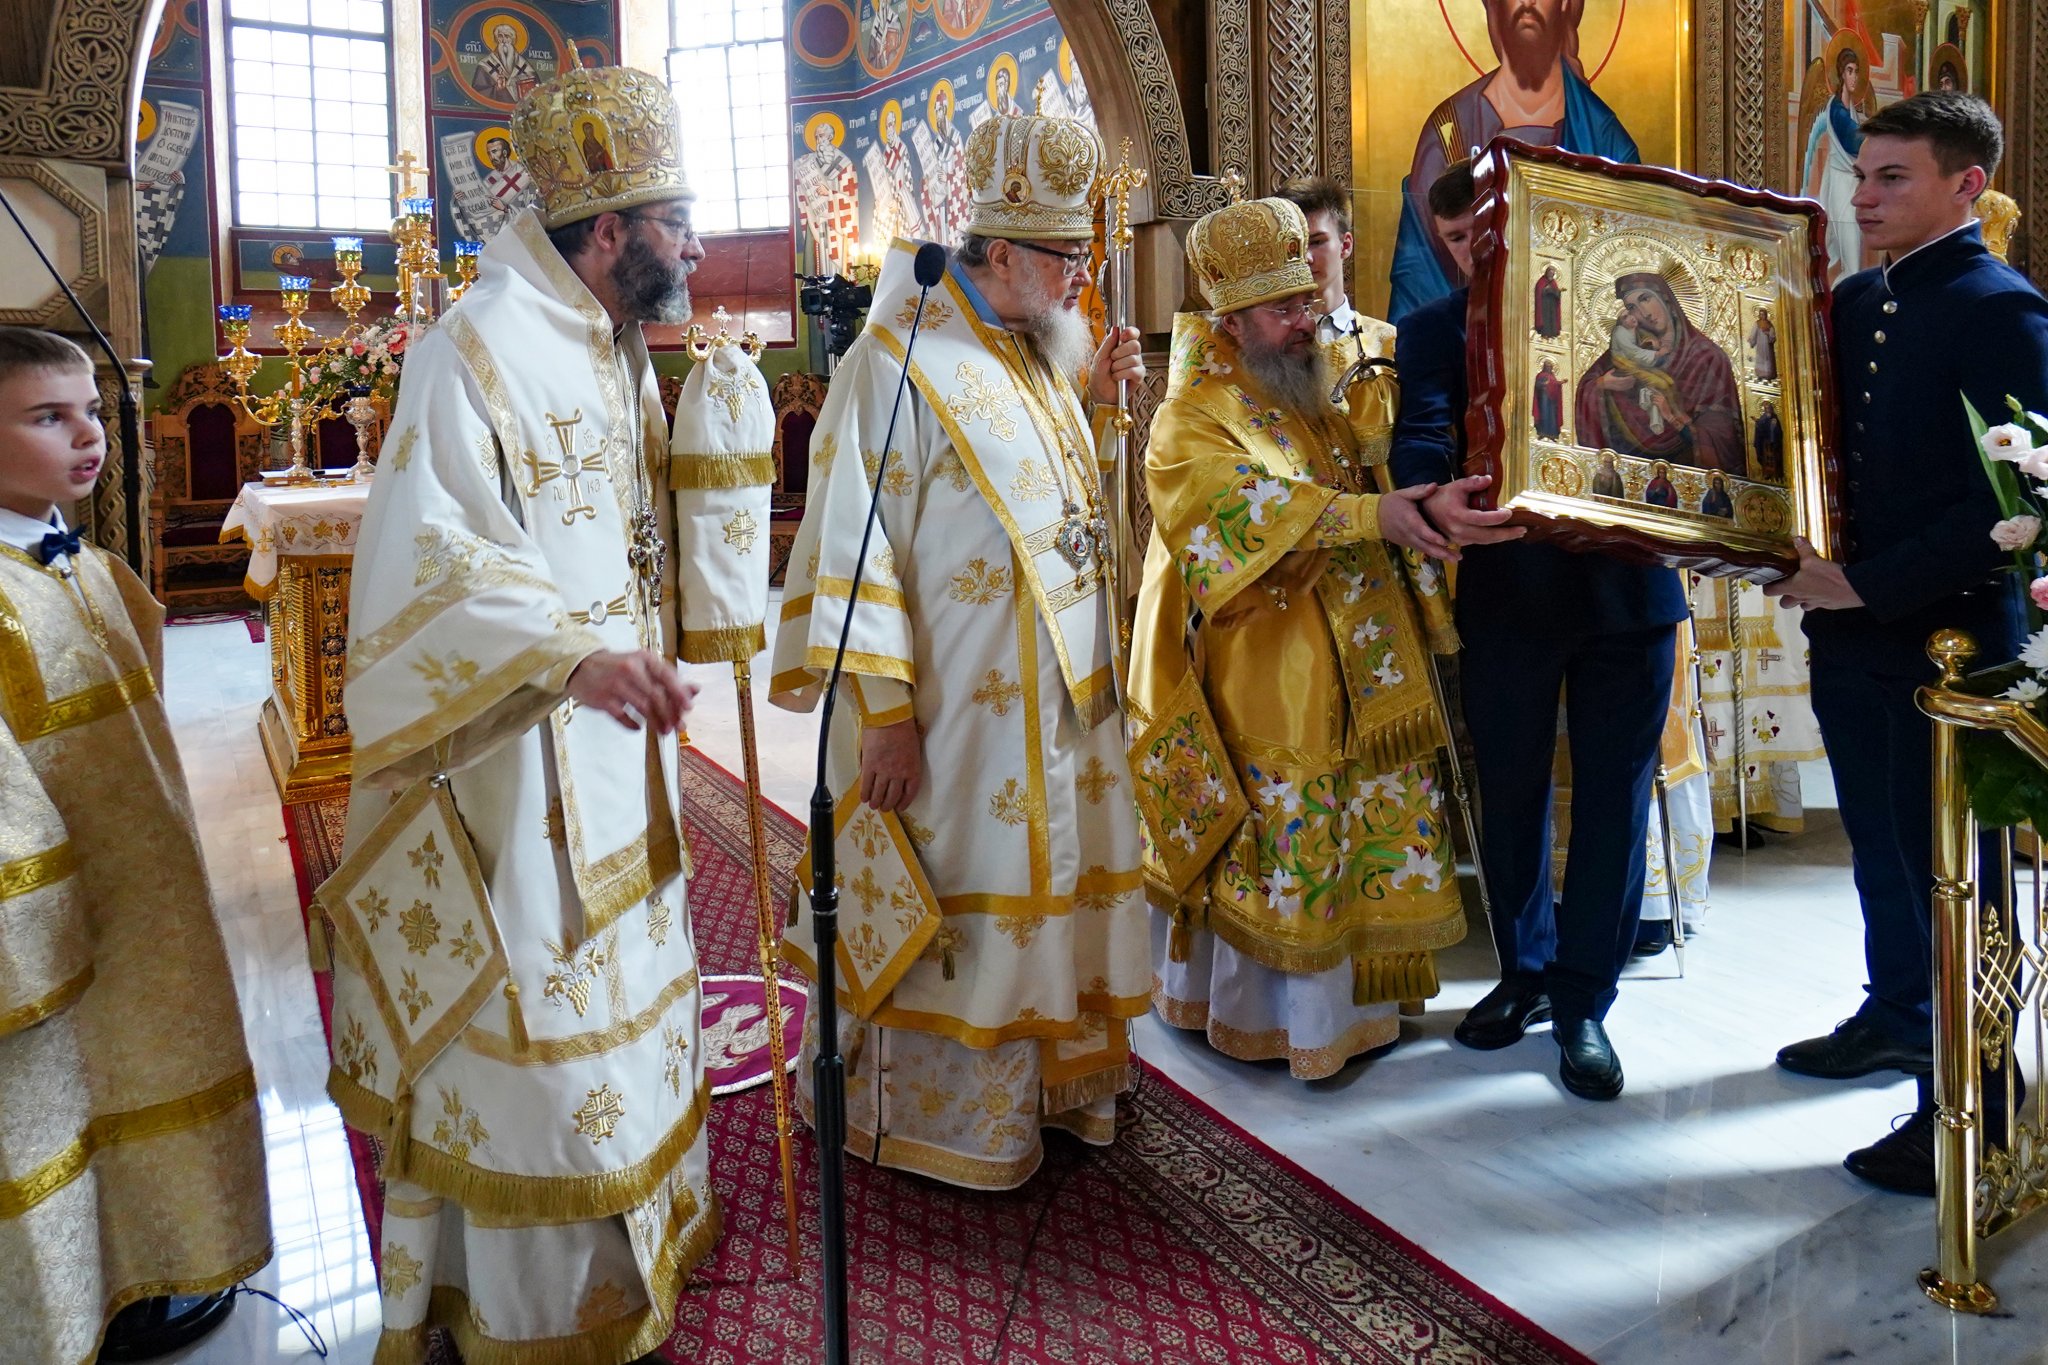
x=883, y=95
x=173, y=202
x=483, y=59
x=1848, y=60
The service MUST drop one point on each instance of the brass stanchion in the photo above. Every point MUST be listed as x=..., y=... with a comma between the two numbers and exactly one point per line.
x=1952, y=1281
x=769, y=932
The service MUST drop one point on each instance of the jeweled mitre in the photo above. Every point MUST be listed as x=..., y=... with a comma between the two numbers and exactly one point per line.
x=1250, y=253
x=598, y=140
x=1033, y=178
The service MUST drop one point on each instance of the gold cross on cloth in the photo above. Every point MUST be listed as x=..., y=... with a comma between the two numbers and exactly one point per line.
x=571, y=469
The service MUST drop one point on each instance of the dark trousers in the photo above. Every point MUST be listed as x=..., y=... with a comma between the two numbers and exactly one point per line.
x=1617, y=690
x=1881, y=748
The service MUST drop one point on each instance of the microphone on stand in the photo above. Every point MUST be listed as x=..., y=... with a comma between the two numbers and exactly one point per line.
x=828, y=1070
x=130, y=419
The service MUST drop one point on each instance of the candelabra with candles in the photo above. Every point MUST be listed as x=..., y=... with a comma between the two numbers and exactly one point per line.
x=309, y=393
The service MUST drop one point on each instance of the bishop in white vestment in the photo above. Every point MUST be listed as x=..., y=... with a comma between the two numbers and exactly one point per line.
x=516, y=991
x=992, y=979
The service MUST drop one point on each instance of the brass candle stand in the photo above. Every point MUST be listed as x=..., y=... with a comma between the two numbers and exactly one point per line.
x=305, y=398
x=292, y=405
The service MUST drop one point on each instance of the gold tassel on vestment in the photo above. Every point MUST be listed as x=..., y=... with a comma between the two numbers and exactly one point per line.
x=398, y=1139
x=1377, y=978
x=1405, y=739
x=1180, y=942
x=318, y=955
x=1083, y=1091
x=515, y=1019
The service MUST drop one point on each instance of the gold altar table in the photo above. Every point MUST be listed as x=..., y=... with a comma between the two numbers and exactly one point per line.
x=301, y=548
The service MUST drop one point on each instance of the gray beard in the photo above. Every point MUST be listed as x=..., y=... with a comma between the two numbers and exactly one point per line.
x=1299, y=384
x=650, y=290
x=1061, y=335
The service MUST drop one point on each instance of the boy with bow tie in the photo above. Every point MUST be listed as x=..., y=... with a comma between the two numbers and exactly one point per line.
x=132, y=1195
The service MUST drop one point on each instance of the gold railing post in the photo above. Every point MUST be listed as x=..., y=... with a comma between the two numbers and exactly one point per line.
x=1958, y=1102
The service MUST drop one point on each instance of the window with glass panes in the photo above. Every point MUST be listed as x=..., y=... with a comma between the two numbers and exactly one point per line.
x=728, y=70
x=309, y=101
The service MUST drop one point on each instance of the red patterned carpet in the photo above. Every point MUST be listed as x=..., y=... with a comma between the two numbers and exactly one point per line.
x=1185, y=1241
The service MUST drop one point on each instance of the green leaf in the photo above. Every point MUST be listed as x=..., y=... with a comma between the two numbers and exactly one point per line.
x=2005, y=480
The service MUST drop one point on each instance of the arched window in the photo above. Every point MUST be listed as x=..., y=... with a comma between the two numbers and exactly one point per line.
x=309, y=100
x=728, y=66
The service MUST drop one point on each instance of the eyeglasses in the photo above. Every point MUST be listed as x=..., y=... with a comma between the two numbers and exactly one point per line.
x=1299, y=311
x=1071, y=262
x=678, y=228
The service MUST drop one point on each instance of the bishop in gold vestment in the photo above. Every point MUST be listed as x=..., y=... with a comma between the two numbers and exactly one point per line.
x=131, y=1152
x=997, y=1003
x=1271, y=574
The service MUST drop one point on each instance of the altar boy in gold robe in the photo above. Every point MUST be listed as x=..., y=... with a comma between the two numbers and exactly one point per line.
x=131, y=1153
x=1270, y=567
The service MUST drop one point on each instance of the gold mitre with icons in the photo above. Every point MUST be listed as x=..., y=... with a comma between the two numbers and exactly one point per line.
x=1249, y=253
x=600, y=140
x=1033, y=178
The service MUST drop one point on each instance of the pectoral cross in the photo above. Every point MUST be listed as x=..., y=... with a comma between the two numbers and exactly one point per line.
x=571, y=469
x=408, y=168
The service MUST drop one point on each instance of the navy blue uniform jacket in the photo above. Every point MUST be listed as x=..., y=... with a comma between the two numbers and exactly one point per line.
x=1911, y=339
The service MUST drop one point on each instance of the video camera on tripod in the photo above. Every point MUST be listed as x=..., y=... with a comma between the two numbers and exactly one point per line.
x=837, y=303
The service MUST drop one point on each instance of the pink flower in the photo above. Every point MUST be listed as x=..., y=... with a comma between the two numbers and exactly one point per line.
x=2038, y=590
x=2016, y=533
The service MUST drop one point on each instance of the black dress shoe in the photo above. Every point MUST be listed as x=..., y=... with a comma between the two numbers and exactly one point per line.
x=1503, y=1015
x=1855, y=1048
x=1901, y=1161
x=1653, y=936
x=1585, y=1059
x=156, y=1327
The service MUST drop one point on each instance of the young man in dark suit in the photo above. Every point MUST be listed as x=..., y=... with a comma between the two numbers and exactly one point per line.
x=1941, y=319
x=1538, y=621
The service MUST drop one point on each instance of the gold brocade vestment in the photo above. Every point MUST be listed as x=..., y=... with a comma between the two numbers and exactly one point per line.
x=131, y=1152
x=1314, y=659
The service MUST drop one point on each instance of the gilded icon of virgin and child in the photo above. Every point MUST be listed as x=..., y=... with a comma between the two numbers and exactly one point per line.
x=1663, y=390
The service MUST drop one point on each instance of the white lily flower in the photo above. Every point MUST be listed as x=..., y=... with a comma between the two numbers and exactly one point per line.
x=1265, y=491
x=2008, y=441
x=1419, y=864
x=1204, y=547
x=1282, y=792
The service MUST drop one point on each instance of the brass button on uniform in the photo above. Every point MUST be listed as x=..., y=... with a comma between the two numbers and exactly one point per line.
x=1873, y=367
x=1878, y=337
x=1891, y=305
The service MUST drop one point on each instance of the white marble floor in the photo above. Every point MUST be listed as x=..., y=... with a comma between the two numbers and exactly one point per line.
x=1701, y=1218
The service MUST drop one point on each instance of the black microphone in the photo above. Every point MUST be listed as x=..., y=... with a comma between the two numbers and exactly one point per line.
x=828, y=1072
x=130, y=419
x=930, y=269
